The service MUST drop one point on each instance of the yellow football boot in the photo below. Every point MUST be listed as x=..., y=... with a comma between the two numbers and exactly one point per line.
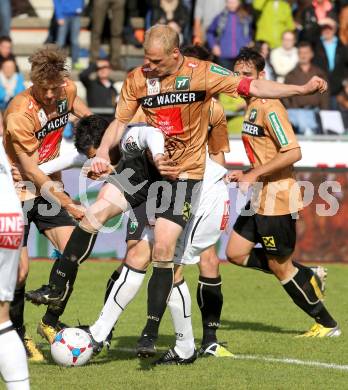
x=215, y=349
x=318, y=330
x=33, y=353
x=48, y=332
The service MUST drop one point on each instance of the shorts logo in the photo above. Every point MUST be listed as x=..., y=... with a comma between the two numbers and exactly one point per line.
x=133, y=227
x=182, y=83
x=11, y=230
x=225, y=215
x=269, y=241
x=278, y=129
x=219, y=70
x=153, y=86
x=186, y=211
x=253, y=115
x=62, y=106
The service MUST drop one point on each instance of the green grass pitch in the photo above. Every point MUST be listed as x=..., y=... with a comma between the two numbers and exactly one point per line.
x=259, y=322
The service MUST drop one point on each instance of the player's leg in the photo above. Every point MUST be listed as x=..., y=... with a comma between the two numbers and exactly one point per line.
x=210, y=301
x=13, y=360
x=182, y=198
x=179, y=305
x=124, y=289
x=17, y=308
x=278, y=234
x=110, y=203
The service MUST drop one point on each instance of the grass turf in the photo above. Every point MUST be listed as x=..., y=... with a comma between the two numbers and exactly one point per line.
x=258, y=319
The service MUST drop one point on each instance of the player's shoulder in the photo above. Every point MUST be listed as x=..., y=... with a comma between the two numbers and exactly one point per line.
x=22, y=103
x=69, y=85
x=268, y=105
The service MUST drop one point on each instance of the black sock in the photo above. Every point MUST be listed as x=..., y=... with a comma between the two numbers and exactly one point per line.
x=210, y=301
x=258, y=260
x=77, y=250
x=17, y=311
x=158, y=291
x=304, y=291
x=110, y=284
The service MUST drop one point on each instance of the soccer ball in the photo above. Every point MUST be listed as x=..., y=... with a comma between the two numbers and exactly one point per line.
x=71, y=347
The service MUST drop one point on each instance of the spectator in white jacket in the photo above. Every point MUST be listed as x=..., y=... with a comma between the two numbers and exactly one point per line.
x=284, y=58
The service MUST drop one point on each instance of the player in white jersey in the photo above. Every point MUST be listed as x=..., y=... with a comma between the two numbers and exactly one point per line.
x=13, y=360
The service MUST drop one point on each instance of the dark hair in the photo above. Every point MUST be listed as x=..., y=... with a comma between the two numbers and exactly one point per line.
x=89, y=132
x=196, y=51
x=246, y=54
x=304, y=44
x=5, y=38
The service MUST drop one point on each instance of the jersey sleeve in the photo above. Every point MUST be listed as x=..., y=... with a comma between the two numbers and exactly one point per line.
x=221, y=80
x=128, y=103
x=22, y=131
x=280, y=127
x=218, y=136
x=64, y=161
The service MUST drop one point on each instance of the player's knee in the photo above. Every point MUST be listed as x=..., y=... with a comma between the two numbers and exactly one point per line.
x=281, y=267
x=235, y=258
x=137, y=258
x=161, y=252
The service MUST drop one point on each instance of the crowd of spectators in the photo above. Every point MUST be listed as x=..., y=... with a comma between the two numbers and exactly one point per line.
x=298, y=39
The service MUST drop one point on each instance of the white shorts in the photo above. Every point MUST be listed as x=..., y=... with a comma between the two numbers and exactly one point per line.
x=11, y=232
x=204, y=229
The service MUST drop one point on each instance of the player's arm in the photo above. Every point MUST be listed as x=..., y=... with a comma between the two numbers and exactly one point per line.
x=126, y=109
x=220, y=80
x=64, y=161
x=79, y=108
x=218, y=142
x=31, y=170
x=273, y=90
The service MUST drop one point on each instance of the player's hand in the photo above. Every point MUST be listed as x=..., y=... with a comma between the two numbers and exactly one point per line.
x=166, y=167
x=315, y=84
x=216, y=50
x=77, y=211
x=101, y=162
x=16, y=174
x=246, y=180
x=233, y=176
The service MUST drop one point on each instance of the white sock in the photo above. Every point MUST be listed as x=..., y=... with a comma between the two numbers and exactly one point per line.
x=13, y=359
x=180, y=308
x=124, y=290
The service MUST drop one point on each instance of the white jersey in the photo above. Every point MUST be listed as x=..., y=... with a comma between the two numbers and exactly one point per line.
x=136, y=138
x=11, y=230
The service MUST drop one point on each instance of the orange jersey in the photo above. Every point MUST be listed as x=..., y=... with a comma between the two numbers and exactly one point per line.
x=266, y=132
x=29, y=126
x=179, y=105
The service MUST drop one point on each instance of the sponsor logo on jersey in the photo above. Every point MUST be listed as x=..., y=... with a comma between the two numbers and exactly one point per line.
x=11, y=230
x=62, y=106
x=192, y=65
x=169, y=121
x=170, y=98
x=252, y=129
x=278, y=129
x=130, y=145
x=219, y=70
x=52, y=125
x=253, y=115
x=42, y=117
x=269, y=241
x=182, y=83
x=153, y=86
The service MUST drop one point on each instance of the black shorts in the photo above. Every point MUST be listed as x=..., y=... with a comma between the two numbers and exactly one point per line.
x=276, y=234
x=144, y=172
x=44, y=220
x=136, y=225
x=184, y=199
